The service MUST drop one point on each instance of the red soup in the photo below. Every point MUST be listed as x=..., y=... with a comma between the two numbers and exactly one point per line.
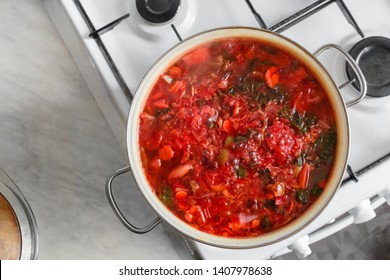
x=237, y=138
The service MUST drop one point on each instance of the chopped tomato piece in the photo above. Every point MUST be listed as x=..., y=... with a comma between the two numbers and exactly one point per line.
x=177, y=87
x=303, y=176
x=161, y=104
x=148, y=120
x=166, y=152
x=158, y=95
x=155, y=163
x=181, y=195
x=146, y=117
x=272, y=76
x=174, y=72
x=154, y=142
x=197, y=56
x=228, y=126
x=299, y=74
x=195, y=209
x=188, y=216
x=182, y=205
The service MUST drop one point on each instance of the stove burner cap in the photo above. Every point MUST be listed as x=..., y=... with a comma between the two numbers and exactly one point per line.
x=372, y=54
x=157, y=11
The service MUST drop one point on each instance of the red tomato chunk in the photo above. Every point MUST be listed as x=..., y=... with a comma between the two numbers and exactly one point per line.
x=237, y=138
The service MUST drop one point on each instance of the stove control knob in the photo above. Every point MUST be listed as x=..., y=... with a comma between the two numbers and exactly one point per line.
x=301, y=247
x=158, y=11
x=363, y=212
x=386, y=195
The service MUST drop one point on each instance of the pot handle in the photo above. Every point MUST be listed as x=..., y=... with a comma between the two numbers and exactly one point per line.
x=355, y=68
x=115, y=208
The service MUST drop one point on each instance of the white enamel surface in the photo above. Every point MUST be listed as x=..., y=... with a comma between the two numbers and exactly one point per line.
x=363, y=212
x=301, y=247
x=316, y=69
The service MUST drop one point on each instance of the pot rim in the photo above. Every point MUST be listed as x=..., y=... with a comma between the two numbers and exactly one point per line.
x=322, y=76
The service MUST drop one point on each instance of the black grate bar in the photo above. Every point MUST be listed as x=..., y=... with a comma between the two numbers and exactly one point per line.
x=366, y=168
x=85, y=16
x=301, y=15
x=347, y=14
x=352, y=174
x=105, y=52
x=176, y=32
x=314, y=8
x=258, y=17
x=108, y=27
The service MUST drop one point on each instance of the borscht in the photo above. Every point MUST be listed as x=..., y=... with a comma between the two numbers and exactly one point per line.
x=237, y=137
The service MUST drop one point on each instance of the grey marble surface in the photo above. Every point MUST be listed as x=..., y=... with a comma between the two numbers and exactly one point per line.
x=57, y=147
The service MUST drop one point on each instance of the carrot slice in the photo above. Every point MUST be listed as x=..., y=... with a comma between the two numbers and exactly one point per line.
x=166, y=152
x=272, y=76
x=303, y=176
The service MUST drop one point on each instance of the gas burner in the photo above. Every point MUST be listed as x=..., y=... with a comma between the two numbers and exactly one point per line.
x=158, y=11
x=373, y=56
x=149, y=19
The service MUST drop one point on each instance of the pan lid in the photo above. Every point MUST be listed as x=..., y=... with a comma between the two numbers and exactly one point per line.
x=18, y=228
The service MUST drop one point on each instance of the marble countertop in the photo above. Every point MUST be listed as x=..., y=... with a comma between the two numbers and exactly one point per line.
x=57, y=147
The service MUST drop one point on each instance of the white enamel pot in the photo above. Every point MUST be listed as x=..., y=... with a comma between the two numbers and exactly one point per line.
x=318, y=71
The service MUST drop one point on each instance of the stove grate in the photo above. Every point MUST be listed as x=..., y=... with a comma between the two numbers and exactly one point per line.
x=96, y=35
x=305, y=13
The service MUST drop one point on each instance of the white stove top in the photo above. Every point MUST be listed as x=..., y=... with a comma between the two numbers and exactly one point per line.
x=135, y=45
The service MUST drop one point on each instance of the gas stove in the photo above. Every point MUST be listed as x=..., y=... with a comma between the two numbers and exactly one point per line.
x=114, y=43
